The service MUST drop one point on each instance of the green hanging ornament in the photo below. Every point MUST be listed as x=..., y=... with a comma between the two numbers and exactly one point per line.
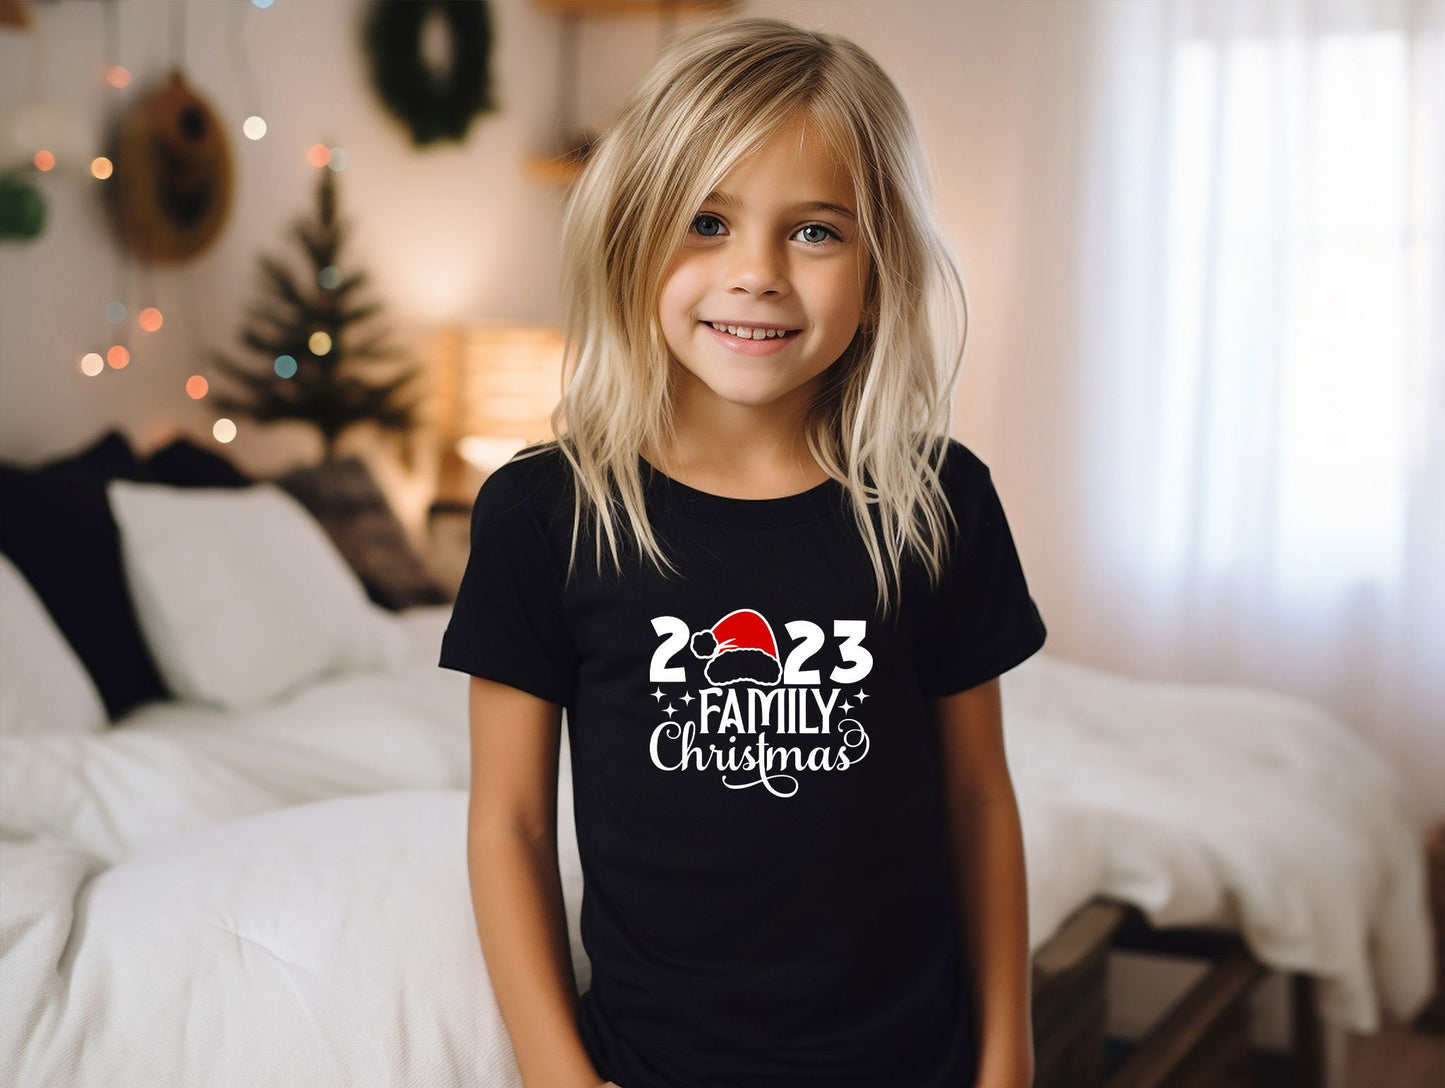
x=435, y=103
x=22, y=208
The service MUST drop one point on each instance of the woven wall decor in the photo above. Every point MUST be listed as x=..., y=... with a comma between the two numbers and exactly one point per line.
x=173, y=175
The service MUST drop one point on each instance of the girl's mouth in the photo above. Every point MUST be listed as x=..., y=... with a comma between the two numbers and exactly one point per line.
x=747, y=340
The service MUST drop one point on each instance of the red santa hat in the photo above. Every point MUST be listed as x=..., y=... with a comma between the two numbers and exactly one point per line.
x=739, y=648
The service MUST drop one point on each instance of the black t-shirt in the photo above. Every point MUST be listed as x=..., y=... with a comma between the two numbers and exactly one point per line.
x=758, y=790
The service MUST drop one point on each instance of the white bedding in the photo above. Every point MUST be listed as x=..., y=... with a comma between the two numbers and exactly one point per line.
x=332, y=942
x=172, y=767
x=1219, y=805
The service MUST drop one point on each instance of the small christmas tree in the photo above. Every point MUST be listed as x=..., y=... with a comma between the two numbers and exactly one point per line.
x=306, y=330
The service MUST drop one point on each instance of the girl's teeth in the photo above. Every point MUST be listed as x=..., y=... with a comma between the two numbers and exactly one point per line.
x=748, y=334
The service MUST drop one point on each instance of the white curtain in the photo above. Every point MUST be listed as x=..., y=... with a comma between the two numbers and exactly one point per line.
x=1259, y=376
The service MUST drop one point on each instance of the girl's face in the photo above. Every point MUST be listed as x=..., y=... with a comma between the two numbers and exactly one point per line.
x=775, y=247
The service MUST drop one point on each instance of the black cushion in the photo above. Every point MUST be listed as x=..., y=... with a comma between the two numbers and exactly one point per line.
x=56, y=527
x=184, y=464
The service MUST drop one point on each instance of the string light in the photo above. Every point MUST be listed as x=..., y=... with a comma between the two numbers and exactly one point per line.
x=117, y=356
x=224, y=430
x=339, y=159
x=44, y=160
x=91, y=364
x=115, y=312
x=329, y=277
x=254, y=126
x=319, y=343
x=197, y=387
x=285, y=366
x=149, y=319
x=318, y=155
x=101, y=167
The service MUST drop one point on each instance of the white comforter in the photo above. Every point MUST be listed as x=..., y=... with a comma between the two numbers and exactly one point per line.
x=1219, y=805
x=170, y=767
x=332, y=941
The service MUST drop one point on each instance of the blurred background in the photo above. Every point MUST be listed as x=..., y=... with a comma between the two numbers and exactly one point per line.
x=1202, y=241
x=1204, y=244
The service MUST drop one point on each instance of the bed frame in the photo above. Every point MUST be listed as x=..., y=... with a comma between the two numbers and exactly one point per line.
x=1202, y=1041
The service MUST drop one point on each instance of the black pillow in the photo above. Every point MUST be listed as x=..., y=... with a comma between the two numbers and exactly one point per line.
x=57, y=528
x=344, y=498
x=185, y=464
x=109, y=457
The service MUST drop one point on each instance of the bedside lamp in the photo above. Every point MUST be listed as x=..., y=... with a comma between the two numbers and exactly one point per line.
x=497, y=386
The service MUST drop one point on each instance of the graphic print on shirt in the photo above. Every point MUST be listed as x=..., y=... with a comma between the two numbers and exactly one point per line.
x=756, y=718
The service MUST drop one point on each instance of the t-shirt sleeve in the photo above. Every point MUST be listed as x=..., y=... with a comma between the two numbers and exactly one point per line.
x=508, y=622
x=983, y=621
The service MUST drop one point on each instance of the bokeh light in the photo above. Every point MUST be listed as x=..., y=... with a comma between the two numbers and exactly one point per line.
x=149, y=319
x=118, y=356
x=224, y=430
x=318, y=155
x=329, y=277
x=254, y=127
x=285, y=366
x=91, y=364
x=262, y=4
x=197, y=387
x=44, y=160
x=101, y=167
x=115, y=311
x=320, y=343
x=339, y=159
x=117, y=76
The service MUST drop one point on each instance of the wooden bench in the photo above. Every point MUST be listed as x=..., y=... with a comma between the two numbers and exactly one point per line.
x=1202, y=1041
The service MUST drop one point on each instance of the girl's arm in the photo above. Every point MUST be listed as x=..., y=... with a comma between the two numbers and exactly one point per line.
x=986, y=843
x=516, y=886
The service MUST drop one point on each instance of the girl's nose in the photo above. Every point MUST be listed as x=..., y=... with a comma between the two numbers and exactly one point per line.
x=756, y=269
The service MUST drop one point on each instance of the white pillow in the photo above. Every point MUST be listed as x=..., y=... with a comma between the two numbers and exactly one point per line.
x=242, y=596
x=43, y=686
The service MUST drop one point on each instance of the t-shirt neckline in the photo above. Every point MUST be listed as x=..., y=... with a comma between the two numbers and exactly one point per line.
x=811, y=505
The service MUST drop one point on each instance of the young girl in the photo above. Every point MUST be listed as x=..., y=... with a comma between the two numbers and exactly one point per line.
x=772, y=595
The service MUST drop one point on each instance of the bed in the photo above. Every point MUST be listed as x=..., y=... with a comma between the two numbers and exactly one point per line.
x=1244, y=831
x=224, y=888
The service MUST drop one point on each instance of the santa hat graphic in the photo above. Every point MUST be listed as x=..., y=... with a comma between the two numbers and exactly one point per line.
x=739, y=647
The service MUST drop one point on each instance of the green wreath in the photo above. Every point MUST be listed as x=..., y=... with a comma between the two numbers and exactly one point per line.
x=434, y=105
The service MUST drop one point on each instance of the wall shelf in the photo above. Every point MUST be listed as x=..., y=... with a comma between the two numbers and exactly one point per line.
x=559, y=169
x=565, y=168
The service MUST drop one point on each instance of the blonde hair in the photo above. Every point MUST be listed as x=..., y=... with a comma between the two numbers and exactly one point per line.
x=880, y=420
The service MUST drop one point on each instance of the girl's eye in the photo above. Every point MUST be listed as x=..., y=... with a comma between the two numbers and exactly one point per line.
x=709, y=226
x=819, y=233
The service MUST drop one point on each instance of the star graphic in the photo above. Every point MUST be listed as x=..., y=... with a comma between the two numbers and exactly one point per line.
x=862, y=695
x=847, y=707
x=670, y=709
x=658, y=694
x=687, y=698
